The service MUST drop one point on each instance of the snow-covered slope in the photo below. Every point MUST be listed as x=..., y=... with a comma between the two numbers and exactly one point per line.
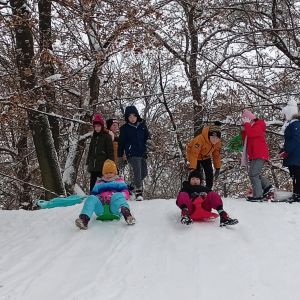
x=44, y=256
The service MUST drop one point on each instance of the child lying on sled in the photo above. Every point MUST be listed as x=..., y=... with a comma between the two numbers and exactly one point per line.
x=110, y=189
x=190, y=191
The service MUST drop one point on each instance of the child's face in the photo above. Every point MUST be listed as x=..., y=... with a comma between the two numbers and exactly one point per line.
x=114, y=127
x=195, y=181
x=132, y=118
x=109, y=175
x=97, y=127
x=213, y=139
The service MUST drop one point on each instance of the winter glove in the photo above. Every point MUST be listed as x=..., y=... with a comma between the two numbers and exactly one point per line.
x=121, y=163
x=246, y=120
x=283, y=155
x=150, y=145
x=217, y=173
x=194, y=195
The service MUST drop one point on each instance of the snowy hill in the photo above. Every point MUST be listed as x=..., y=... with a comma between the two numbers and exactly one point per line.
x=44, y=256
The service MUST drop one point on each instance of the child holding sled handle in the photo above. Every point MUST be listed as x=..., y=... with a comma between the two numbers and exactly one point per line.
x=110, y=189
x=190, y=191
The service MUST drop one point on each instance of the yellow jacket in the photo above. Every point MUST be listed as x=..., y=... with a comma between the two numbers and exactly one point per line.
x=200, y=148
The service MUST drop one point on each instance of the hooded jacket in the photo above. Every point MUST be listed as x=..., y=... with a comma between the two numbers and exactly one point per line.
x=201, y=148
x=256, y=142
x=133, y=137
x=292, y=142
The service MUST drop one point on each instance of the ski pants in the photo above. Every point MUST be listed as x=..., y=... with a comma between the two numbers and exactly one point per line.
x=140, y=171
x=94, y=205
x=295, y=174
x=212, y=201
x=208, y=170
x=259, y=183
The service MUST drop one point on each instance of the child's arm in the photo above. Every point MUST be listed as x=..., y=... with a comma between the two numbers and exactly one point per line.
x=193, y=150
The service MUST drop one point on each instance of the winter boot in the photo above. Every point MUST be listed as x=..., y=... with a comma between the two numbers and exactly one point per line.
x=82, y=222
x=257, y=199
x=294, y=198
x=225, y=220
x=268, y=192
x=139, y=195
x=185, y=216
x=130, y=220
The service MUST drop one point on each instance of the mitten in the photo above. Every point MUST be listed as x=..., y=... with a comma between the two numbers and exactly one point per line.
x=284, y=155
x=246, y=120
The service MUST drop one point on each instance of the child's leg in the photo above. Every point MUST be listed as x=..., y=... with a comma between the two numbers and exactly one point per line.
x=256, y=166
x=144, y=169
x=117, y=200
x=93, y=179
x=212, y=200
x=92, y=204
x=208, y=170
x=135, y=163
x=184, y=199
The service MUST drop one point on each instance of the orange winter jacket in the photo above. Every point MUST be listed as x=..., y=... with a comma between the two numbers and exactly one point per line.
x=200, y=148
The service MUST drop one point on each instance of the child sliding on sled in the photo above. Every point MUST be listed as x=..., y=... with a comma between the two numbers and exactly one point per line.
x=190, y=191
x=110, y=189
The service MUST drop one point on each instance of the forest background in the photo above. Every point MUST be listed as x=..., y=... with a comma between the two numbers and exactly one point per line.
x=183, y=63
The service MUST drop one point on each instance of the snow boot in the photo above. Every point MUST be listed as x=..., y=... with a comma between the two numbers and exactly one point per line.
x=225, y=220
x=185, y=217
x=139, y=195
x=294, y=198
x=82, y=222
x=130, y=220
x=268, y=192
x=257, y=199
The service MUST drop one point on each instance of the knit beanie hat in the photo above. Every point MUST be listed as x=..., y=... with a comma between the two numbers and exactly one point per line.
x=215, y=129
x=290, y=110
x=109, y=122
x=195, y=173
x=248, y=114
x=109, y=167
x=98, y=120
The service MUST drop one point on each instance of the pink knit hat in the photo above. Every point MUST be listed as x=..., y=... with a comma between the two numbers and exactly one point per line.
x=248, y=114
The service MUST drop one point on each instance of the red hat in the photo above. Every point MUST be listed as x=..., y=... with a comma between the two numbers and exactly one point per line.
x=98, y=120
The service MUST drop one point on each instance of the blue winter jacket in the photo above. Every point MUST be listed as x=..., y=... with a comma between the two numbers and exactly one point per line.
x=292, y=143
x=133, y=137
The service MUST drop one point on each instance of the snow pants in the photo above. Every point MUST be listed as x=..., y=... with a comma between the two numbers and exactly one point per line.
x=212, y=200
x=208, y=171
x=140, y=170
x=295, y=174
x=259, y=183
x=94, y=205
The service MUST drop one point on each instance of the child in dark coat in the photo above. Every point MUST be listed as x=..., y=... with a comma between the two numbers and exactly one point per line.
x=110, y=189
x=133, y=140
x=101, y=148
x=291, y=150
x=191, y=190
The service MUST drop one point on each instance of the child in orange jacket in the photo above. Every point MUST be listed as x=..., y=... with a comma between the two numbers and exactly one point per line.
x=202, y=147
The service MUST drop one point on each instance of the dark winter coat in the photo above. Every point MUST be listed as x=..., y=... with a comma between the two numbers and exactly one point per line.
x=101, y=149
x=256, y=142
x=133, y=137
x=190, y=189
x=292, y=143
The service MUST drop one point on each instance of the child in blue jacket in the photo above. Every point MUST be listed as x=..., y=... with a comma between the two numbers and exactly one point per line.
x=110, y=189
x=133, y=140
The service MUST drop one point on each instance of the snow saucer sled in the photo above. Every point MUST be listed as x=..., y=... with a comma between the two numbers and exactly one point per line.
x=200, y=214
x=107, y=215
